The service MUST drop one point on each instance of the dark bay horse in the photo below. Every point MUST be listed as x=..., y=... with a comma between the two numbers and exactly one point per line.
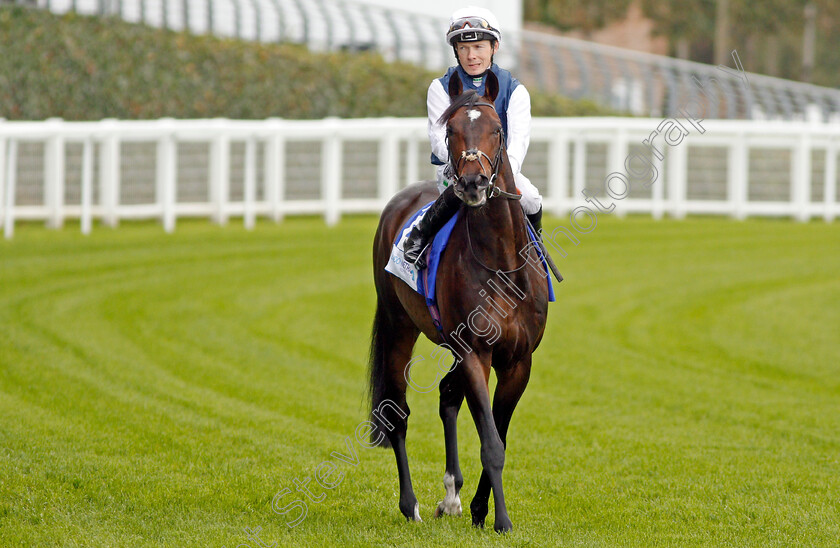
x=493, y=300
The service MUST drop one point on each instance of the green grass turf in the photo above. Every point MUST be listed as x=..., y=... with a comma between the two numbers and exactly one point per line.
x=159, y=390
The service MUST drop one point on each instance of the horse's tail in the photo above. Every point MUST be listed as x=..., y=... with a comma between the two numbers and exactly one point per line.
x=377, y=368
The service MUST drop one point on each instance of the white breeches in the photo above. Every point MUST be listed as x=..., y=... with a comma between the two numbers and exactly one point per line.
x=531, y=200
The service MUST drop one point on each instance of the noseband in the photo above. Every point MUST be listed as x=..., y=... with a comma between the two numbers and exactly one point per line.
x=476, y=155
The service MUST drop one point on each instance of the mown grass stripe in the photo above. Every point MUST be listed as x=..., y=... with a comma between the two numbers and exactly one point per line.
x=158, y=390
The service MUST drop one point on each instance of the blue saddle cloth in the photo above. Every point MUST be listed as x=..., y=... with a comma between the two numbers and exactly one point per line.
x=428, y=276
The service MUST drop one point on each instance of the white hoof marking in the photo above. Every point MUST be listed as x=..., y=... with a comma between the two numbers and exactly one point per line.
x=451, y=504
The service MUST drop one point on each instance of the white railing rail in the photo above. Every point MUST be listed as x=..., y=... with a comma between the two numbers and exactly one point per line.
x=568, y=157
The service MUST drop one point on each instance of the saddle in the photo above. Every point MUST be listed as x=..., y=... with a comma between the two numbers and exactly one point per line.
x=424, y=281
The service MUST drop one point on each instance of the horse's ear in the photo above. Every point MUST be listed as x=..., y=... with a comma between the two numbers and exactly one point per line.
x=491, y=86
x=455, y=86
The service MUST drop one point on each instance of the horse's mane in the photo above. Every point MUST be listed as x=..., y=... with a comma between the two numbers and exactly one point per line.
x=469, y=98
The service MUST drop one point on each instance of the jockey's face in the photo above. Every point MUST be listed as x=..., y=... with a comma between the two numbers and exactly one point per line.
x=476, y=57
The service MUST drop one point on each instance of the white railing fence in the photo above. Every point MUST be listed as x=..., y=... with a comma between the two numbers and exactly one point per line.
x=167, y=169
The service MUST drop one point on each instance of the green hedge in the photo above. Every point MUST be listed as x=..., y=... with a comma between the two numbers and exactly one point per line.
x=88, y=68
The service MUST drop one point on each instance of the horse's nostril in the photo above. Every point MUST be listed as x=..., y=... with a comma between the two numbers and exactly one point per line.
x=473, y=180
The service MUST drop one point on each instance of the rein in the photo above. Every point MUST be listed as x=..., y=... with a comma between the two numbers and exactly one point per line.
x=476, y=155
x=479, y=261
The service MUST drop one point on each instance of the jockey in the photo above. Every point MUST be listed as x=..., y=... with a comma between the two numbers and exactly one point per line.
x=474, y=35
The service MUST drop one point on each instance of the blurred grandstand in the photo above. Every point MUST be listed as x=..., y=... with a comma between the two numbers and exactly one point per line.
x=639, y=83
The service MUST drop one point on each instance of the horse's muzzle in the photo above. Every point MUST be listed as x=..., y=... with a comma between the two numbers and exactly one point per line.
x=472, y=189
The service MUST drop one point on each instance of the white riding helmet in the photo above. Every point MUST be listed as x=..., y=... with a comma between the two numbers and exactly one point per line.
x=473, y=24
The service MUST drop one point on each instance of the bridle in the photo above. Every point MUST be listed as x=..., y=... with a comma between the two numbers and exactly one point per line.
x=476, y=155
x=493, y=190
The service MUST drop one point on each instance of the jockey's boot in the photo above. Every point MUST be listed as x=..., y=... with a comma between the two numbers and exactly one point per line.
x=438, y=214
x=536, y=222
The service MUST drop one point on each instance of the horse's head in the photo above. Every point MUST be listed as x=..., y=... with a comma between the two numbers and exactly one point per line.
x=475, y=139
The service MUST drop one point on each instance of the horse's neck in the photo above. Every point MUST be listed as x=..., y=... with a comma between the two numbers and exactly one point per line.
x=498, y=229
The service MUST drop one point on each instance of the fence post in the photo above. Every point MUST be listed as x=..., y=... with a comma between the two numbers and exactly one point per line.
x=388, y=163
x=658, y=188
x=737, y=184
x=618, y=152
x=167, y=167
x=54, y=174
x=250, y=191
x=677, y=178
x=220, y=173
x=801, y=178
x=412, y=158
x=558, y=172
x=579, y=173
x=11, y=174
x=109, y=172
x=275, y=170
x=87, y=185
x=331, y=164
x=830, y=182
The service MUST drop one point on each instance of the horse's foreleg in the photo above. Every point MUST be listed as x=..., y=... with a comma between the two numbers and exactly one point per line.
x=511, y=385
x=451, y=398
x=492, y=449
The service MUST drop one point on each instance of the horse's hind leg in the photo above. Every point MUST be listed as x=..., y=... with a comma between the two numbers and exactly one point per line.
x=451, y=398
x=511, y=384
x=393, y=342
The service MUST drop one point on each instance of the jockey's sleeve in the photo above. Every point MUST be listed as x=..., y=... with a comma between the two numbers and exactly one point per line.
x=519, y=127
x=437, y=101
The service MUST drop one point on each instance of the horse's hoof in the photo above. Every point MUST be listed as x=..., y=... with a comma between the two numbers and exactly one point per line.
x=411, y=514
x=448, y=508
x=503, y=525
x=478, y=510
